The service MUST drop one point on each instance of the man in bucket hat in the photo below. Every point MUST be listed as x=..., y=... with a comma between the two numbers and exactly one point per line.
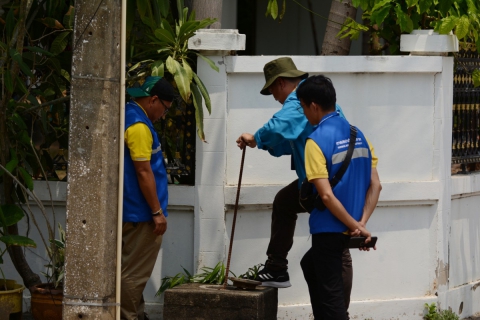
x=145, y=193
x=285, y=134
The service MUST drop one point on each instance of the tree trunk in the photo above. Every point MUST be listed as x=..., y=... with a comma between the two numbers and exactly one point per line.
x=339, y=12
x=209, y=9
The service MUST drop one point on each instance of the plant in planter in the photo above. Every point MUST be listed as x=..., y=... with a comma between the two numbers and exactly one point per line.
x=157, y=44
x=10, y=291
x=47, y=298
x=215, y=275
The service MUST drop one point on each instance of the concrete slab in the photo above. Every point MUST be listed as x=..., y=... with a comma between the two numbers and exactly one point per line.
x=202, y=301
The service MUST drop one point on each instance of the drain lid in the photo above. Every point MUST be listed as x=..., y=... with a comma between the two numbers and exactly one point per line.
x=245, y=283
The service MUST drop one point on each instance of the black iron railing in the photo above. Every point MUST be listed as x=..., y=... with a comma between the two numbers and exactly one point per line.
x=178, y=137
x=466, y=110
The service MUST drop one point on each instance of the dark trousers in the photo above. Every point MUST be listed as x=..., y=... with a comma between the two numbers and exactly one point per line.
x=322, y=269
x=286, y=207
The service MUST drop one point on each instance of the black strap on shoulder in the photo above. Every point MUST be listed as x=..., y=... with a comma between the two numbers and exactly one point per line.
x=346, y=162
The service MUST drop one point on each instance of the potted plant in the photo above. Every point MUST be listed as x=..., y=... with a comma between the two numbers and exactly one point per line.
x=47, y=298
x=10, y=291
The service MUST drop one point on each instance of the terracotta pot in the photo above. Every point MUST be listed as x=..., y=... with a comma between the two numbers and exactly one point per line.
x=46, y=302
x=11, y=300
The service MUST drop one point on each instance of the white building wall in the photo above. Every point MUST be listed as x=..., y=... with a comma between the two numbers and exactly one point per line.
x=427, y=221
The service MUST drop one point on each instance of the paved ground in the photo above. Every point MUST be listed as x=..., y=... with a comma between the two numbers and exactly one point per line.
x=28, y=316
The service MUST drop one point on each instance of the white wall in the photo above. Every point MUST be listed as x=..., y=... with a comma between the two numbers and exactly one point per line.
x=403, y=104
x=426, y=220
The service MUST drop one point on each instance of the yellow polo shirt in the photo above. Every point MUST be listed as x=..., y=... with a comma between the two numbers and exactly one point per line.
x=139, y=140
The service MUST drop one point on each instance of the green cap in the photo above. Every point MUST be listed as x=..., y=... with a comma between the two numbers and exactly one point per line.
x=154, y=86
x=281, y=67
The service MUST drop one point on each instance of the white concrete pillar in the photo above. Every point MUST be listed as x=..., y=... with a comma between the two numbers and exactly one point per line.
x=210, y=240
x=430, y=43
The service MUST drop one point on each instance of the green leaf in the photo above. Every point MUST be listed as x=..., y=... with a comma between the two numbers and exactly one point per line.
x=209, y=61
x=11, y=214
x=27, y=178
x=403, y=20
x=188, y=69
x=158, y=68
x=164, y=7
x=205, y=22
x=65, y=75
x=274, y=9
x=142, y=7
x=18, y=120
x=380, y=4
x=411, y=3
x=179, y=8
x=476, y=78
x=351, y=29
x=423, y=6
x=11, y=165
x=14, y=240
x=39, y=50
x=55, y=64
x=463, y=25
x=187, y=30
x=197, y=102
x=68, y=18
x=13, y=153
x=7, y=78
x=18, y=58
x=10, y=23
x=165, y=36
x=472, y=8
x=444, y=6
x=180, y=76
x=23, y=136
x=446, y=25
x=284, y=8
x=165, y=25
x=21, y=85
x=379, y=15
x=60, y=43
x=204, y=92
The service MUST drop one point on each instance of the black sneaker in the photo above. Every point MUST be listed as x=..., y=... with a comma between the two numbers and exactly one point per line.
x=275, y=279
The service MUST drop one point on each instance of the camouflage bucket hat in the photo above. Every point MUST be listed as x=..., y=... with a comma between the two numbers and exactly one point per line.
x=281, y=67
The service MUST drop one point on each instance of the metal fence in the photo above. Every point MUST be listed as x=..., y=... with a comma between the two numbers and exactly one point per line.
x=466, y=111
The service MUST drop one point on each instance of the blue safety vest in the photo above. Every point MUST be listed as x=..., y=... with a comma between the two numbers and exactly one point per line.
x=333, y=136
x=135, y=207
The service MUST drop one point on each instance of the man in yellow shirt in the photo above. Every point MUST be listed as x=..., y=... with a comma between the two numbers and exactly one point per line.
x=145, y=194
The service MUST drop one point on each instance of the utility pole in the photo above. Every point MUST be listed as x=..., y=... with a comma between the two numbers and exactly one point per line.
x=92, y=201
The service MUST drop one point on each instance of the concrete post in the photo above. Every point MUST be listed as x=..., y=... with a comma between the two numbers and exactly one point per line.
x=430, y=43
x=210, y=234
x=94, y=161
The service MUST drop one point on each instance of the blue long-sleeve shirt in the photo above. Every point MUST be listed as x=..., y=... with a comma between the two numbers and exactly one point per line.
x=286, y=133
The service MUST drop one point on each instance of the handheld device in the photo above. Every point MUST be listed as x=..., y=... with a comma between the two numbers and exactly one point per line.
x=359, y=242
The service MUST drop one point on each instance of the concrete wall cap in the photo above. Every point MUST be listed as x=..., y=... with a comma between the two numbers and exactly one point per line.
x=428, y=42
x=217, y=40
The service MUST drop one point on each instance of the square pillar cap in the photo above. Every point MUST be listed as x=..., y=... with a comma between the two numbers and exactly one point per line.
x=428, y=42
x=217, y=40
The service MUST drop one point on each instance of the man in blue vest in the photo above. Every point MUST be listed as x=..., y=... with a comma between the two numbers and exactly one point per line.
x=145, y=194
x=348, y=205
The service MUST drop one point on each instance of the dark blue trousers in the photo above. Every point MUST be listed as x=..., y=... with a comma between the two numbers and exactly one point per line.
x=322, y=269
